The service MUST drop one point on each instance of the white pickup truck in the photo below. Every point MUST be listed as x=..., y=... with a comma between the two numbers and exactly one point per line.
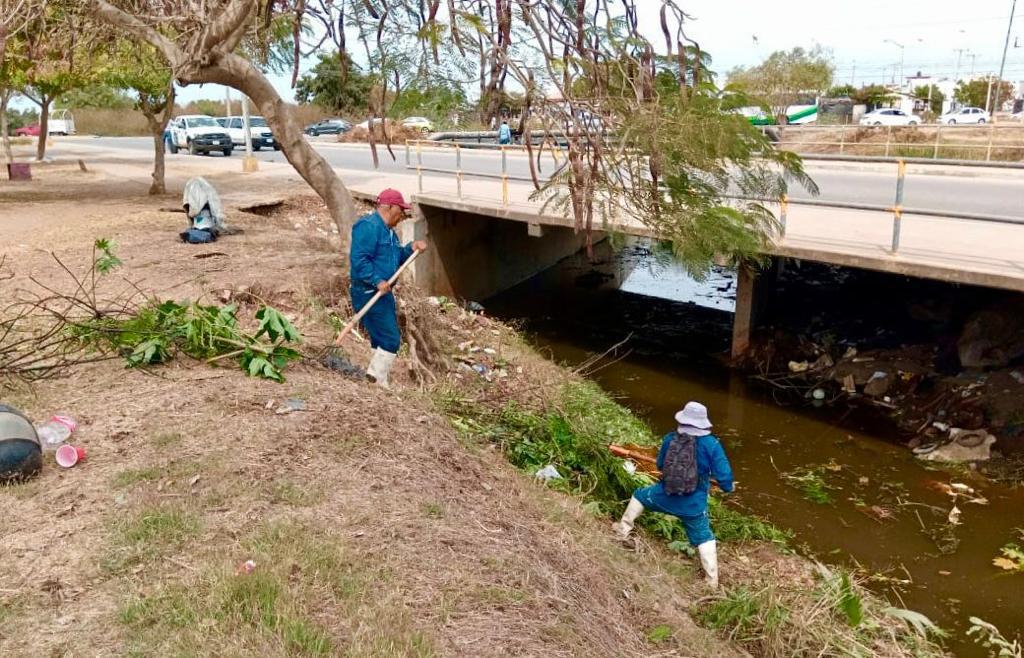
x=259, y=132
x=199, y=134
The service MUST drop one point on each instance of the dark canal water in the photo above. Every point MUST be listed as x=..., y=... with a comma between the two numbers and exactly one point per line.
x=887, y=512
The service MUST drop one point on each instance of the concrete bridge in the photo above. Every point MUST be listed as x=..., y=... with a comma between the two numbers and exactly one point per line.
x=488, y=235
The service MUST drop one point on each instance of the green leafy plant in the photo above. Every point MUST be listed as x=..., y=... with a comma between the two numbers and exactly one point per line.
x=990, y=637
x=810, y=483
x=1012, y=558
x=104, y=259
x=160, y=331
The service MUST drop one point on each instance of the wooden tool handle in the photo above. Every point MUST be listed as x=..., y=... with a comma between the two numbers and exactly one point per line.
x=373, y=300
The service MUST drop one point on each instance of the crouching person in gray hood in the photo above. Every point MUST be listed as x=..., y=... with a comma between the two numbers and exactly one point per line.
x=690, y=457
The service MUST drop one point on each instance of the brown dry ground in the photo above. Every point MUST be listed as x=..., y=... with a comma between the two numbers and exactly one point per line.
x=376, y=529
x=954, y=142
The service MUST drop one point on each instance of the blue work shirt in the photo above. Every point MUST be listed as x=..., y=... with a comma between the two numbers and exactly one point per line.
x=376, y=253
x=711, y=463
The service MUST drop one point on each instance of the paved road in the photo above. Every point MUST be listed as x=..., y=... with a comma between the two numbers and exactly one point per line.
x=973, y=192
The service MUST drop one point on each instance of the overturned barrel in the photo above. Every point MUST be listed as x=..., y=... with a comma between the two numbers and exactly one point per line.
x=21, y=455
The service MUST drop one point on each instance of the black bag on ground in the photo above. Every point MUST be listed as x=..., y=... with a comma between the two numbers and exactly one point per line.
x=679, y=472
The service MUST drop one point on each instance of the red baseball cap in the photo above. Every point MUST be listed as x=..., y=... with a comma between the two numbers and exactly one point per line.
x=392, y=197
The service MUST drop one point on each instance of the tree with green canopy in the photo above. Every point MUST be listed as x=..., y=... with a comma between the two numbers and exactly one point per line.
x=328, y=87
x=138, y=67
x=980, y=93
x=785, y=78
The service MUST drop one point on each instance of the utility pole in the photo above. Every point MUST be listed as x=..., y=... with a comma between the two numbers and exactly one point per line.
x=988, y=96
x=249, y=163
x=973, y=56
x=853, y=73
x=1002, y=64
x=227, y=101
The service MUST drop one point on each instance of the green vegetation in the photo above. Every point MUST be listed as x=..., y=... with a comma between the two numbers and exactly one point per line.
x=305, y=596
x=811, y=484
x=158, y=331
x=660, y=633
x=992, y=639
x=156, y=531
x=1011, y=556
x=574, y=436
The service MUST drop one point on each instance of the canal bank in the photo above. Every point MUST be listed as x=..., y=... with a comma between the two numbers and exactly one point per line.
x=835, y=476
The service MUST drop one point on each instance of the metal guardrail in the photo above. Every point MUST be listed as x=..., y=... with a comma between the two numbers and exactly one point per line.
x=891, y=148
x=897, y=209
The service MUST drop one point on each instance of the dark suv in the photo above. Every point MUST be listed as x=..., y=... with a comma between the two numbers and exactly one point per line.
x=328, y=127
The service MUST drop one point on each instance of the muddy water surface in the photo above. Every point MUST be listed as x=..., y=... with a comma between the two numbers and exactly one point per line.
x=837, y=479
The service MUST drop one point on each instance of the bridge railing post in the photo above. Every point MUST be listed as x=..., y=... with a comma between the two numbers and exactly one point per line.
x=897, y=209
x=407, y=161
x=988, y=151
x=888, y=139
x=419, y=165
x=783, y=211
x=938, y=140
x=458, y=170
x=504, y=177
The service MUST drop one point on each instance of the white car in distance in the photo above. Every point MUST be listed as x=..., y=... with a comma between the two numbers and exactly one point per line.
x=965, y=115
x=889, y=117
x=419, y=123
x=259, y=132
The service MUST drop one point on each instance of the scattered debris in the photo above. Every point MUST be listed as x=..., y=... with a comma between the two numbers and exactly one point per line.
x=548, y=473
x=246, y=567
x=964, y=446
x=290, y=405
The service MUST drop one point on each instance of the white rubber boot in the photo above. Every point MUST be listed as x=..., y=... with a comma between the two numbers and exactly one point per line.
x=380, y=367
x=625, y=524
x=708, y=552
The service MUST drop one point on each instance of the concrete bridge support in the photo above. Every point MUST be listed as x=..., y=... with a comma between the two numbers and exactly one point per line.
x=473, y=256
x=753, y=290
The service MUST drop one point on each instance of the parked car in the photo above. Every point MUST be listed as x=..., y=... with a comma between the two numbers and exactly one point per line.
x=31, y=130
x=199, y=134
x=965, y=115
x=419, y=123
x=61, y=122
x=889, y=117
x=328, y=127
x=259, y=132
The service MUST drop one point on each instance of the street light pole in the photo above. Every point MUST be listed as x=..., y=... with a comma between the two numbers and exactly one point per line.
x=1002, y=64
x=902, y=48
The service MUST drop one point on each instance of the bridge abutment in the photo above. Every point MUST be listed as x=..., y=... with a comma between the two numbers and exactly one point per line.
x=474, y=257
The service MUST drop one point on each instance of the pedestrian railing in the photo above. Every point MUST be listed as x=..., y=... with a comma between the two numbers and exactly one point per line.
x=415, y=148
x=996, y=143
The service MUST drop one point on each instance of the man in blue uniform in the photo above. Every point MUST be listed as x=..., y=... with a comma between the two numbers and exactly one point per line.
x=700, y=454
x=375, y=256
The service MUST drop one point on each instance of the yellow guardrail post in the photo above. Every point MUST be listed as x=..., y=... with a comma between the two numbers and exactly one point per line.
x=888, y=139
x=897, y=209
x=988, y=151
x=938, y=140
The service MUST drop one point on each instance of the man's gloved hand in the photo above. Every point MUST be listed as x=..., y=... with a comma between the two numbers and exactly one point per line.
x=383, y=287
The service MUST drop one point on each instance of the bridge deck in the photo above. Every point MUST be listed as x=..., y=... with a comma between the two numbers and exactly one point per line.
x=955, y=250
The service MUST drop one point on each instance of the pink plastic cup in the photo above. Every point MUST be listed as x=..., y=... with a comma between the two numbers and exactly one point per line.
x=69, y=455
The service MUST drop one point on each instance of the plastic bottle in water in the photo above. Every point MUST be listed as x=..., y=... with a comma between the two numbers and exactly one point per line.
x=56, y=431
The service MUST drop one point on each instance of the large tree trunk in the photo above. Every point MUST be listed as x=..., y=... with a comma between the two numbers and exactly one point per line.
x=157, y=130
x=44, y=127
x=5, y=98
x=213, y=61
x=238, y=73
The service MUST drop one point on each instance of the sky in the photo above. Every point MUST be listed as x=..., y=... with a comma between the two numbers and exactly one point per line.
x=859, y=34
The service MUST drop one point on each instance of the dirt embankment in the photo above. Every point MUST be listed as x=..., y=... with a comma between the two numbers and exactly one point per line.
x=374, y=525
